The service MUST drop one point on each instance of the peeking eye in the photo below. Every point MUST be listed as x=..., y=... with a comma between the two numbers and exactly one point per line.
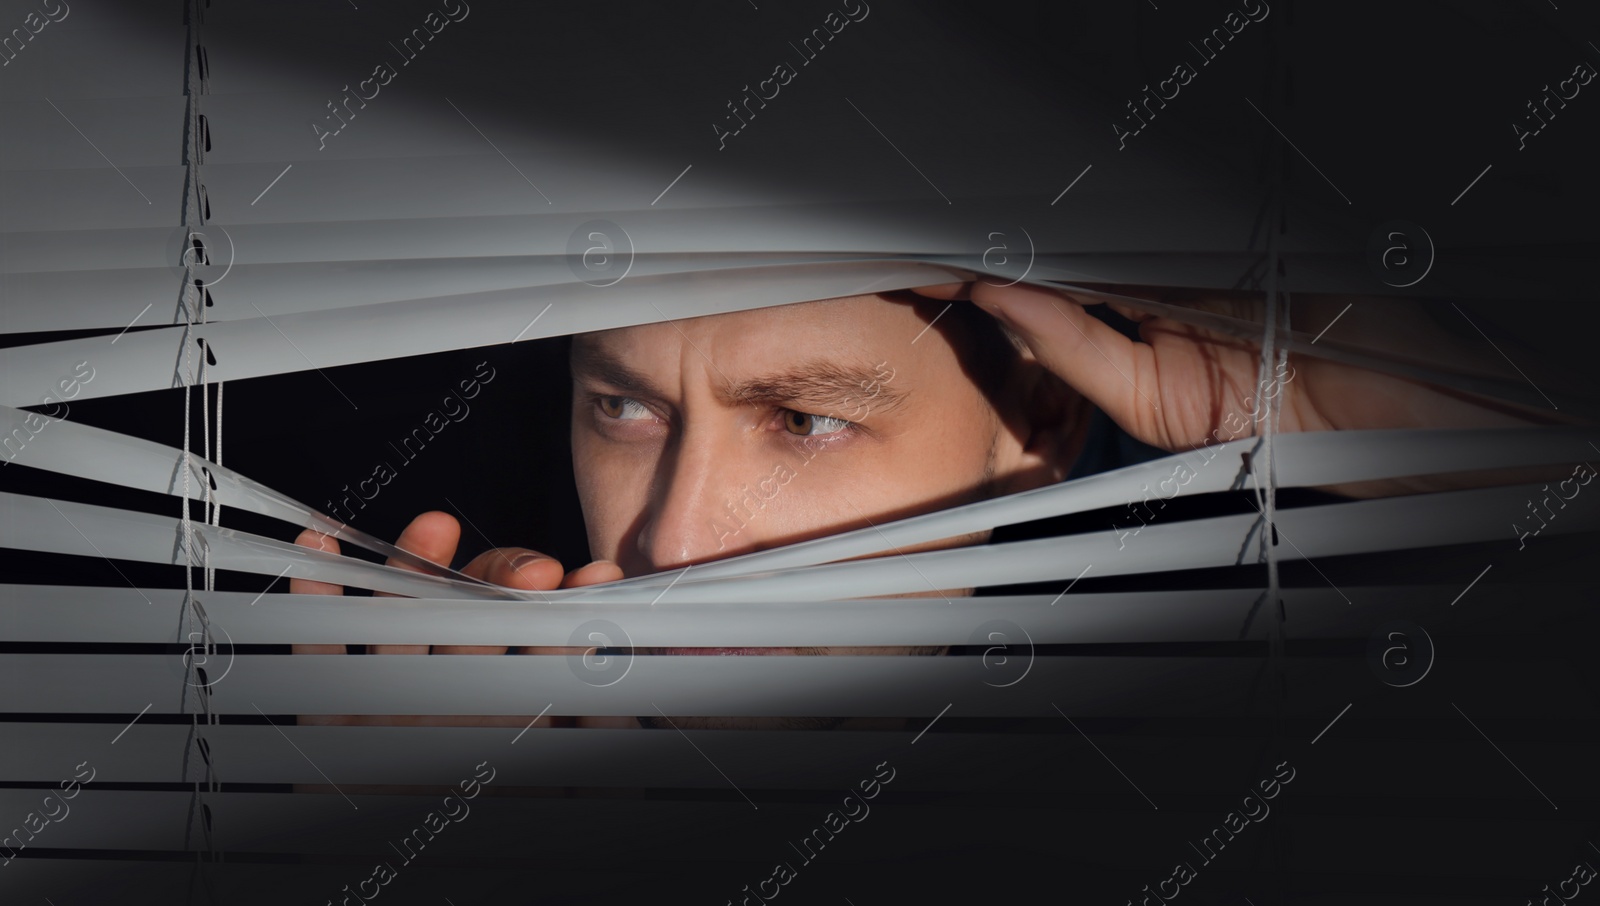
x=807, y=425
x=621, y=407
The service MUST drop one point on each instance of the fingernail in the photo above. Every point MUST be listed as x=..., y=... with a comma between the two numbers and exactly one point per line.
x=521, y=560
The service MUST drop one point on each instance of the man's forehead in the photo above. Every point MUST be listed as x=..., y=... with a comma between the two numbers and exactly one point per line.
x=815, y=353
x=849, y=332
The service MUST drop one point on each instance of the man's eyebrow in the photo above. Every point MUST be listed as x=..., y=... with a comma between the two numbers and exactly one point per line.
x=827, y=386
x=597, y=364
x=821, y=385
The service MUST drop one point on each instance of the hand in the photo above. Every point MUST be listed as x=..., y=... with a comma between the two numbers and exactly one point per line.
x=1185, y=386
x=434, y=537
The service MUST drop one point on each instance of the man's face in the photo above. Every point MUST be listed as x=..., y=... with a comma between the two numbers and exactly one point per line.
x=709, y=437
x=705, y=438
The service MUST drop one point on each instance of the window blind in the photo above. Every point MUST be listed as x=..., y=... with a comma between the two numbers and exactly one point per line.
x=196, y=195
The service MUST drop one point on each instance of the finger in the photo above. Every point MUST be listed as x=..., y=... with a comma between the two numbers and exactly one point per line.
x=517, y=567
x=1113, y=372
x=512, y=567
x=946, y=291
x=433, y=536
x=593, y=574
x=1127, y=311
x=316, y=541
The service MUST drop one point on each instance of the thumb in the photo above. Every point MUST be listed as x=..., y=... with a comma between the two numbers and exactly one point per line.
x=595, y=573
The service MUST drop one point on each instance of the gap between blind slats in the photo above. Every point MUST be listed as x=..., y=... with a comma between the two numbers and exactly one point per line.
x=333, y=331
x=1317, y=458
x=84, y=451
x=1460, y=517
x=40, y=524
x=1307, y=459
x=1357, y=527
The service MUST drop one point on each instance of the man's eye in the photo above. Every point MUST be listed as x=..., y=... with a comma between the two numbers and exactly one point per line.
x=807, y=425
x=621, y=407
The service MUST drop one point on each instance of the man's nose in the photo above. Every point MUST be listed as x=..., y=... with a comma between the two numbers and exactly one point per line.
x=709, y=506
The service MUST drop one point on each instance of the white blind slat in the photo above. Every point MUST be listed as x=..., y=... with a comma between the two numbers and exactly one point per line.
x=775, y=759
x=68, y=613
x=255, y=347
x=689, y=685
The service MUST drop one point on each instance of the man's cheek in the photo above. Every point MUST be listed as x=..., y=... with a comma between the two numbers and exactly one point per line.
x=604, y=524
x=613, y=493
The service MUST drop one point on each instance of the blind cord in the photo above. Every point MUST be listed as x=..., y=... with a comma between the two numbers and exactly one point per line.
x=194, y=310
